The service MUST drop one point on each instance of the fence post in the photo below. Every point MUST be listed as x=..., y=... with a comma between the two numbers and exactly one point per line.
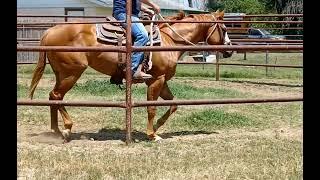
x=128, y=73
x=23, y=30
x=217, y=67
x=203, y=59
x=267, y=60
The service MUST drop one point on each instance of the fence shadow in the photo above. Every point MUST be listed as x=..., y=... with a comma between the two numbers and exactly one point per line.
x=266, y=83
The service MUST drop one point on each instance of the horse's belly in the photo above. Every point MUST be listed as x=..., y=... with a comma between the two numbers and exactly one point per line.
x=105, y=63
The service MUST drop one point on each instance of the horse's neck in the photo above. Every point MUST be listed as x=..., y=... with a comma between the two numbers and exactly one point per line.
x=192, y=33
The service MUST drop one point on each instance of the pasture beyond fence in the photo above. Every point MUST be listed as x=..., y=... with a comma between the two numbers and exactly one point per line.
x=129, y=104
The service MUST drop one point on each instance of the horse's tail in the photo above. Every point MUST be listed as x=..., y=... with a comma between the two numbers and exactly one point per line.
x=38, y=71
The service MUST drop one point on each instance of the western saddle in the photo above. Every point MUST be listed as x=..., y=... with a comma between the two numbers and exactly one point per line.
x=115, y=34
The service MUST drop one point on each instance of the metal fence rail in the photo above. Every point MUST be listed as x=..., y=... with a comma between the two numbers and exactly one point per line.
x=229, y=28
x=91, y=16
x=160, y=21
x=244, y=64
x=154, y=103
x=159, y=48
x=128, y=49
x=233, y=40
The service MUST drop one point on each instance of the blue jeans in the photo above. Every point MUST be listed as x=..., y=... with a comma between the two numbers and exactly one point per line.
x=139, y=36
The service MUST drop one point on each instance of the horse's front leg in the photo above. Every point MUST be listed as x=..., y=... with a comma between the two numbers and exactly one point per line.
x=154, y=89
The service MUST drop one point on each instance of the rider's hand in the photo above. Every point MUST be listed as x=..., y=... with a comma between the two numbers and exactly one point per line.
x=156, y=9
x=149, y=11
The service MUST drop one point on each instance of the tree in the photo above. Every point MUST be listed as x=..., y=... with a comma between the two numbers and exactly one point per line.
x=237, y=6
x=263, y=7
x=293, y=7
x=257, y=6
x=283, y=6
x=214, y=5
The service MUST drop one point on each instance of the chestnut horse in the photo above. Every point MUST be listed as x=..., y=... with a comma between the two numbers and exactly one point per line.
x=68, y=66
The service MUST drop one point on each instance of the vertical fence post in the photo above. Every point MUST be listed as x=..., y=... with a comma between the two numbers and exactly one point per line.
x=22, y=36
x=128, y=72
x=267, y=60
x=245, y=56
x=203, y=59
x=217, y=67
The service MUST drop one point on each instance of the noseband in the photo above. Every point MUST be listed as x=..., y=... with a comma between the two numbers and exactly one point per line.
x=220, y=28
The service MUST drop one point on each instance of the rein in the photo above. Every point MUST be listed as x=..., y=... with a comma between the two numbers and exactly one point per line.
x=176, y=31
x=215, y=25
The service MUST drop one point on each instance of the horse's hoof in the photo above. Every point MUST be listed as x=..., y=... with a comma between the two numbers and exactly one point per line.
x=57, y=133
x=66, y=134
x=157, y=139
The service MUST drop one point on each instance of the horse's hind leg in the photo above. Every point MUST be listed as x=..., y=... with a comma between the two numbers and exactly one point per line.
x=165, y=94
x=54, y=114
x=65, y=80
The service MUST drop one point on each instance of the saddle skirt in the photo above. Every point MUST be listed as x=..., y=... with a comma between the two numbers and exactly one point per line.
x=115, y=34
x=112, y=33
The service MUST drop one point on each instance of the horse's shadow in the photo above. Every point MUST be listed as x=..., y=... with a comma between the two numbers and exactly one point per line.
x=105, y=135
x=119, y=134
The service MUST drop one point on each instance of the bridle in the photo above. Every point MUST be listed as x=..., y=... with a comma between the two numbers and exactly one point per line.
x=220, y=26
x=215, y=24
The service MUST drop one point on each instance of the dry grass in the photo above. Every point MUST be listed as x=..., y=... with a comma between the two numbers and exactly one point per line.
x=221, y=156
x=260, y=141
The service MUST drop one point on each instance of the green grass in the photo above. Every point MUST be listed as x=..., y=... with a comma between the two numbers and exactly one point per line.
x=226, y=71
x=23, y=91
x=214, y=119
x=248, y=72
x=28, y=69
x=275, y=114
x=103, y=88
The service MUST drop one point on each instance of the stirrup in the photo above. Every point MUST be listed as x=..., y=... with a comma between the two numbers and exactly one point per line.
x=141, y=75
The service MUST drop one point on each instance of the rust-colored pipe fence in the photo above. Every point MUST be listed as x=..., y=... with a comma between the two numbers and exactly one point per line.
x=233, y=40
x=229, y=28
x=122, y=104
x=244, y=64
x=159, y=48
x=128, y=49
x=161, y=21
x=231, y=64
x=279, y=28
x=180, y=48
x=268, y=40
x=91, y=16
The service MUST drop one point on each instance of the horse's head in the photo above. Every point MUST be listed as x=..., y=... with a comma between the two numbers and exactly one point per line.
x=217, y=32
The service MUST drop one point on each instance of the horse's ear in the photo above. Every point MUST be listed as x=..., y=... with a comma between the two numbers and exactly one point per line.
x=181, y=14
x=217, y=11
x=222, y=13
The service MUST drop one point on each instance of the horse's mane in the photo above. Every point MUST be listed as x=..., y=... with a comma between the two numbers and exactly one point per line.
x=180, y=15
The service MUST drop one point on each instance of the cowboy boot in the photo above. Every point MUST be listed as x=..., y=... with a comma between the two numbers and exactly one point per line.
x=139, y=74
